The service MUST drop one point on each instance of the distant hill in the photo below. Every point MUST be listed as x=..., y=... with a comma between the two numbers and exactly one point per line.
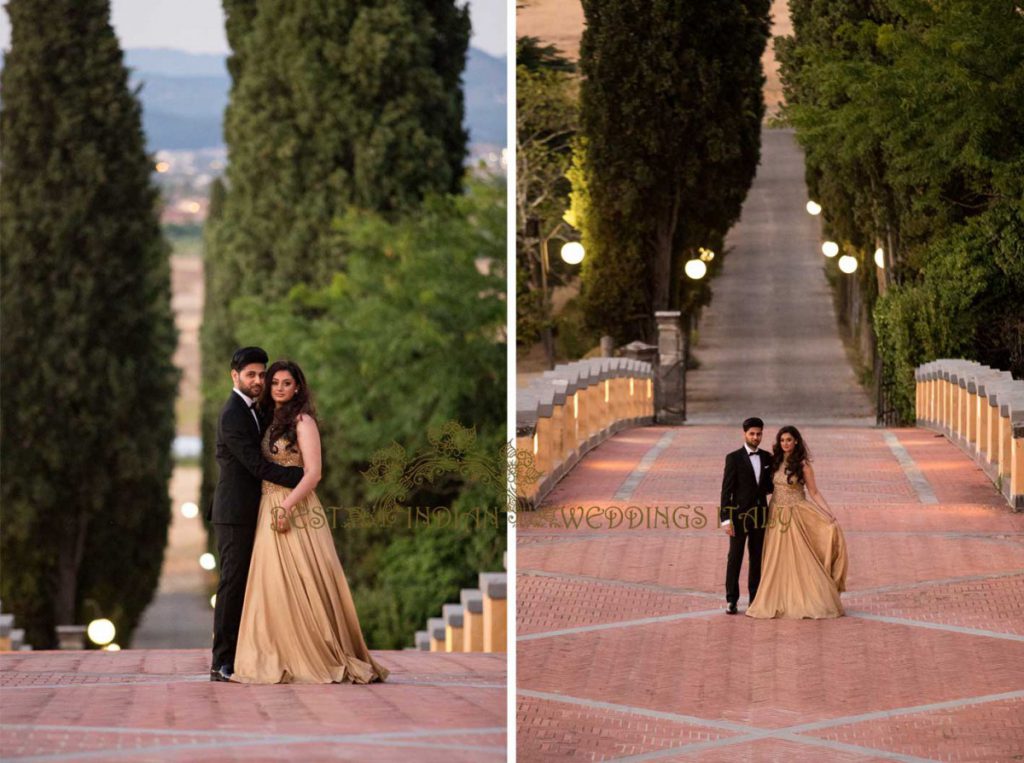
x=184, y=96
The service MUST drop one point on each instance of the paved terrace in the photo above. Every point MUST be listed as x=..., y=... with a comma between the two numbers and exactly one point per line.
x=625, y=652
x=159, y=705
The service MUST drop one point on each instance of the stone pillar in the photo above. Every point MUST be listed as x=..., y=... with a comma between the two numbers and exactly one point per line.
x=493, y=587
x=669, y=402
x=436, y=629
x=71, y=636
x=473, y=626
x=607, y=346
x=6, y=627
x=452, y=615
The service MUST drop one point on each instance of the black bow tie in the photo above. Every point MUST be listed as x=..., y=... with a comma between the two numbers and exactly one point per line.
x=753, y=453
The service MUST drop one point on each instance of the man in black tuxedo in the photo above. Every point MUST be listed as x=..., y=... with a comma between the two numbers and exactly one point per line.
x=236, y=500
x=744, y=509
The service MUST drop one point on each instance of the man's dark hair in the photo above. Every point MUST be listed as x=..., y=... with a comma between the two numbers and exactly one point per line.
x=246, y=355
x=753, y=421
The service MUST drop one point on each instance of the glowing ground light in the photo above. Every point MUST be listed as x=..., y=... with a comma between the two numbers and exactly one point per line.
x=830, y=248
x=101, y=631
x=880, y=257
x=814, y=208
x=207, y=561
x=847, y=264
x=213, y=600
x=573, y=252
x=189, y=510
x=695, y=269
x=112, y=648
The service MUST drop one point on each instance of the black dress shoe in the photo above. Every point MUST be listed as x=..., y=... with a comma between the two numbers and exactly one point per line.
x=732, y=609
x=220, y=674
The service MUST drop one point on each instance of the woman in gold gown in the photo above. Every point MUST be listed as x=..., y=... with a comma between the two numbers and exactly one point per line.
x=803, y=569
x=299, y=623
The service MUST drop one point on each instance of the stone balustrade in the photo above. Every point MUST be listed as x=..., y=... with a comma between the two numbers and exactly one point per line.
x=573, y=408
x=981, y=409
x=476, y=624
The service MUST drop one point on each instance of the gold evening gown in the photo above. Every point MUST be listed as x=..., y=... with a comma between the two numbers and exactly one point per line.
x=299, y=622
x=803, y=569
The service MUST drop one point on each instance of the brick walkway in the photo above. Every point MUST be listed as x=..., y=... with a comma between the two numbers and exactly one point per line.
x=625, y=651
x=159, y=705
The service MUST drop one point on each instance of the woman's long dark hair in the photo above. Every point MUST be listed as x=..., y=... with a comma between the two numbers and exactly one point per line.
x=800, y=456
x=283, y=424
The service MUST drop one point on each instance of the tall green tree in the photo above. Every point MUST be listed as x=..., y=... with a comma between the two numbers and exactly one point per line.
x=333, y=105
x=88, y=384
x=671, y=110
x=215, y=340
x=546, y=122
x=910, y=114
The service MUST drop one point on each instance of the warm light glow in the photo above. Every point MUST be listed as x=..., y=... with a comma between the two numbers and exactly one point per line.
x=606, y=390
x=847, y=264
x=213, y=600
x=162, y=166
x=535, y=443
x=190, y=206
x=207, y=561
x=695, y=269
x=576, y=406
x=705, y=254
x=814, y=208
x=573, y=252
x=101, y=631
x=112, y=648
x=648, y=389
x=830, y=248
x=880, y=257
x=631, y=380
x=189, y=510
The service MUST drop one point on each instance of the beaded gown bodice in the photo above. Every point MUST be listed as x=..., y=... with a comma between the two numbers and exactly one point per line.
x=285, y=456
x=785, y=494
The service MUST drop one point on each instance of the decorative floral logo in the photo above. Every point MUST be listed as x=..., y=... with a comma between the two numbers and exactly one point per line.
x=453, y=449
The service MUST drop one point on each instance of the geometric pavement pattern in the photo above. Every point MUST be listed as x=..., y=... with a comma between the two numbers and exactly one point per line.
x=624, y=651
x=160, y=705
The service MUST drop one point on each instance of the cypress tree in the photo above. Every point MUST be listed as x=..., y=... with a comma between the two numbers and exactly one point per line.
x=214, y=337
x=333, y=105
x=671, y=110
x=88, y=384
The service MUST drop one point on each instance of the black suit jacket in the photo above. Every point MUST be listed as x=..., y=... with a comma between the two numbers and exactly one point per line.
x=740, y=491
x=236, y=500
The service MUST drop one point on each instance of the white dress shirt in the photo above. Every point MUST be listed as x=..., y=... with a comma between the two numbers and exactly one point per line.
x=248, y=402
x=755, y=463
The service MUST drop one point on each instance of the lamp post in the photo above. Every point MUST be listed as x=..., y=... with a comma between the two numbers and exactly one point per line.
x=572, y=252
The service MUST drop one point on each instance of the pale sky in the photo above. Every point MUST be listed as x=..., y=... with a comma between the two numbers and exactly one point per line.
x=197, y=26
